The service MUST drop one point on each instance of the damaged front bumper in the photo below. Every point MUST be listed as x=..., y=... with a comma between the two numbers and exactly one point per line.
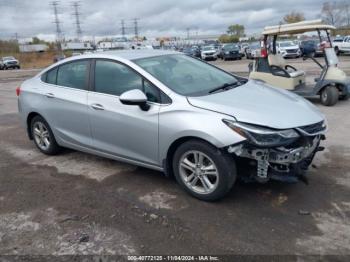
x=284, y=163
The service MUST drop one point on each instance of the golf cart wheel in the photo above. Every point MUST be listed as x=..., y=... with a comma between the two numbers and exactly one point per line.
x=329, y=95
x=337, y=50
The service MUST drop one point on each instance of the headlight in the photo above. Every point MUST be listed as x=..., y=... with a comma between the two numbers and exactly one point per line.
x=262, y=136
x=226, y=53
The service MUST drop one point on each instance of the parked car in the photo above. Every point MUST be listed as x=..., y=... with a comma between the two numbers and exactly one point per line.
x=220, y=50
x=252, y=50
x=187, y=51
x=243, y=47
x=196, y=51
x=310, y=48
x=341, y=45
x=231, y=51
x=209, y=53
x=8, y=62
x=57, y=58
x=288, y=49
x=172, y=113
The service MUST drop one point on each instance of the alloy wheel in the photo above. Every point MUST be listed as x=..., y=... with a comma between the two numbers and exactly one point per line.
x=41, y=135
x=199, y=172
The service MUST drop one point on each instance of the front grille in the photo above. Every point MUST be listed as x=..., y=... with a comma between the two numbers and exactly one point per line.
x=209, y=53
x=314, y=128
x=292, y=50
x=12, y=63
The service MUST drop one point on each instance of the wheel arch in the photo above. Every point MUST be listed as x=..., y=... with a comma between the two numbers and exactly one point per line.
x=29, y=119
x=167, y=162
x=342, y=87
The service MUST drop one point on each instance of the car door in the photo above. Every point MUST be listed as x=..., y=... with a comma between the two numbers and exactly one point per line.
x=125, y=131
x=65, y=103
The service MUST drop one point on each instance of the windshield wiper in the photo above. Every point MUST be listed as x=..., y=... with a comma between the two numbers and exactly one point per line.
x=225, y=87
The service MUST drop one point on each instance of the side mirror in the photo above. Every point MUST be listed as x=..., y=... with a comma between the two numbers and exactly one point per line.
x=134, y=97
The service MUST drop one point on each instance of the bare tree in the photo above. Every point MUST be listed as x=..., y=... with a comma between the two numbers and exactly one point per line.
x=294, y=17
x=345, y=6
x=332, y=13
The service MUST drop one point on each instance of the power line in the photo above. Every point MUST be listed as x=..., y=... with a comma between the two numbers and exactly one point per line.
x=57, y=22
x=136, y=27
x=122, y=23
x=188, y=33
x=76, y=13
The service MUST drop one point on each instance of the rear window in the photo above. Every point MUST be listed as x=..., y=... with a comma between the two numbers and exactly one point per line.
x=51, y=76
x=73, y=74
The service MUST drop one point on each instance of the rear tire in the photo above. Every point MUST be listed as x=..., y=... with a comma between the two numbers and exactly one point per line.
x=203, y=170
x=337, y=51
x=329, y=95
x=43, y=136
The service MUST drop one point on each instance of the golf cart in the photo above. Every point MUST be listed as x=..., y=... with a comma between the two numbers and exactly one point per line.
x=272, y=68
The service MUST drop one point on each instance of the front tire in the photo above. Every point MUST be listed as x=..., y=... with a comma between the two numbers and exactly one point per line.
x=43, y=136
x=203, y=170
x=329, y=96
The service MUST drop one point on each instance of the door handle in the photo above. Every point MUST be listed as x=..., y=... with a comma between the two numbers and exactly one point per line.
x=97, y=107
x=50, y=95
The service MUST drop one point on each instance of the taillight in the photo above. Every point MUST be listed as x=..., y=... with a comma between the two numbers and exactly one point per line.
x=263, y=52
x=18, y=91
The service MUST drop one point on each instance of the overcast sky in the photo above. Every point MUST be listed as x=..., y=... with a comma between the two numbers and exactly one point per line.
x=157, y=17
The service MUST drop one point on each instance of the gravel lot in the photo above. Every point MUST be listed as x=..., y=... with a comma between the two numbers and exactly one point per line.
x=77, y=203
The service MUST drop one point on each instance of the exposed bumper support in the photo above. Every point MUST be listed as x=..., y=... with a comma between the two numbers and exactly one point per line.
x=279, y=159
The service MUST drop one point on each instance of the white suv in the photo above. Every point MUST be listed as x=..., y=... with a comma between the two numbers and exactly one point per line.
x=288, y=49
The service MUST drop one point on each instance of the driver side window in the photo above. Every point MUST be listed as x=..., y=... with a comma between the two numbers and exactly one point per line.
x=114, y=78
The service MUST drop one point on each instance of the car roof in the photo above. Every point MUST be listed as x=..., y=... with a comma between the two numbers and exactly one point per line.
x=130, y=55
x=136, y=53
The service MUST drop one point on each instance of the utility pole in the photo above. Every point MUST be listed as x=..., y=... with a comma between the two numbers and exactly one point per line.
x=188, y=33
x=76, y=14
x=57, y=22
x=136, y=28
x=122, y=22
x=16, y=37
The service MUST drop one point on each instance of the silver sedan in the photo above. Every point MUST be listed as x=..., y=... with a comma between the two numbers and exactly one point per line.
x=173, y=113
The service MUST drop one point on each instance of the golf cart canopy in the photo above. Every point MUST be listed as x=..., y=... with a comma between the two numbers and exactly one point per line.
x=297, y=28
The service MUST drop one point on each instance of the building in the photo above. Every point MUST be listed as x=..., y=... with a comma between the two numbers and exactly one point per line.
x=113, y=45
x=26, y=48
x=76, y=46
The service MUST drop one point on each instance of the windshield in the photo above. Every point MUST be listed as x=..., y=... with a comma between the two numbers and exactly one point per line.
x=8, y=58
x=231, y=47
x=309, y=42
x=331, y=56
x=255, y=45
x=185, y=75
x=286, y=44
x=207, y=48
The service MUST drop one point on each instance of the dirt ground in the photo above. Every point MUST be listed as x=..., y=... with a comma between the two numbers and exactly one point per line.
x=77, y=203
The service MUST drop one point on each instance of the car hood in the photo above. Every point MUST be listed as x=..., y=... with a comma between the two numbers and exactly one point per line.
x=208, y=51
x=290, y=47
x=12, y=60
x=261, y=104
